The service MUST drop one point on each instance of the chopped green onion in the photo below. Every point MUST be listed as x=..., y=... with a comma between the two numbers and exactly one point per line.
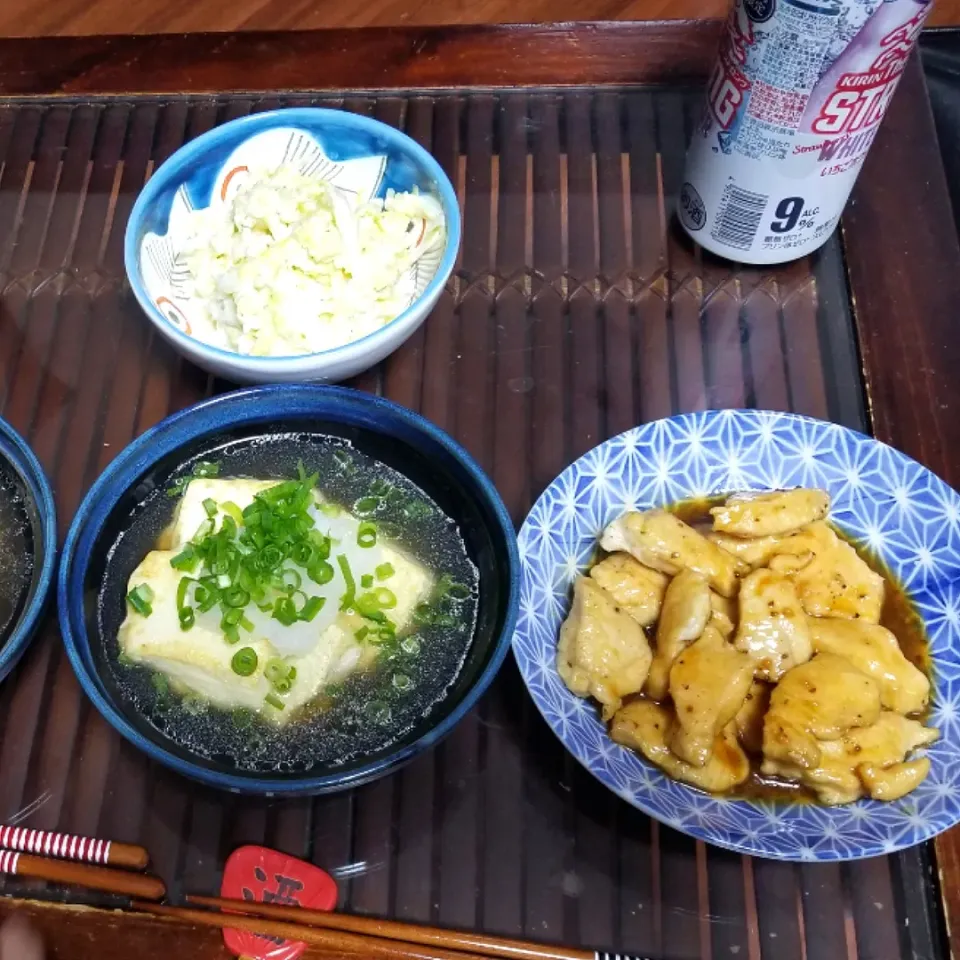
x=361, y=633
x=302, y=554
x=378, y=711
x=210, y=507
x=244, y=662
x=417, y=510
x=233, y=511
x=387, y=599
x=290, y=579
x=231, y=618
x=402, y=682
x=311, y=608
x=203, y=531
x=347, y=602
x=320, y=572
x=367, y=506
x=242, y=718
x=271, y=556
x=207, y=596
x=330, y=509
x=448, y=587
x=410, y=645
x=160, y=684
x=344, y=460
x=285, y=611
x=385, y=571
x=236, y=597
x=277, y=669
x=367, y=534
x=274, y=701
x=321, y=544
x=366, y=581
x=140, y=598
x=246, y=624
x=182, y=587
x=368, y=605
x=186, y=559
x=187, y=618
x=423, y=613
x=280, y=674
x=206, y=469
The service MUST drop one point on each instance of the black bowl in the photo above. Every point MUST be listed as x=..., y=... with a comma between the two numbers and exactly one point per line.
x=381, y=429
x=28, y=515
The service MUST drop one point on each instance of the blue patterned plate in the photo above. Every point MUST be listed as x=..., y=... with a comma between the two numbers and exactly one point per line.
x=881, y=498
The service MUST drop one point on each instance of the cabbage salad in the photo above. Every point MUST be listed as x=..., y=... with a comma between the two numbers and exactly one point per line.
x=295, y=265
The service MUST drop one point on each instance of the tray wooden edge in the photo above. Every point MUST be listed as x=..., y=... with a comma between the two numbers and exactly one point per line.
x=92, y=933
x=376, y=58
x=904, y=271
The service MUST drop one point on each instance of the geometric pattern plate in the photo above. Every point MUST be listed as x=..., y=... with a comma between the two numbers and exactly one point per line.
x=880, y=498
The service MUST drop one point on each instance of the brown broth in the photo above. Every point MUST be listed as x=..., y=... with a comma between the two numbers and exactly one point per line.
x=898, y=615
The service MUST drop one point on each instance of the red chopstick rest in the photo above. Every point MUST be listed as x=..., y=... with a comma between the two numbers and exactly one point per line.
x=262, y=875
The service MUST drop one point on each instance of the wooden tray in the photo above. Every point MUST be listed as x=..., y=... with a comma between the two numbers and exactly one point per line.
x=576, y=311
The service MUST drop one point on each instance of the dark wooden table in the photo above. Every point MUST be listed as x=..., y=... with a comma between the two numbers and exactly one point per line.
x=576, y=311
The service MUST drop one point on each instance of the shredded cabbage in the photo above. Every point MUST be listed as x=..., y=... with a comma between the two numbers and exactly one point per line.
x=295, y=265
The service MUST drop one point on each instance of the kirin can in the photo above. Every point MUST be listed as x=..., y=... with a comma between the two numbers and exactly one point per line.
x=793, y=104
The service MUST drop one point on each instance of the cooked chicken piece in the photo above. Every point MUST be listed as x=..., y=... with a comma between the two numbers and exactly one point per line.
x=603, y=651
x=769, y=514
x=647, y=727
x=638, y=589
x=723, y=614
x=863, y=760
x=749, y=718
x=772, y=626
x=708, y=683
x=755, y=552
x=830, y=577
x=874, y=650
x=895, y=781
x=684, y=614
x=818, y=701
x=664, y=542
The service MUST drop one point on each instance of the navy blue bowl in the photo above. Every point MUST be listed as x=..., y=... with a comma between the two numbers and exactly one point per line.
x=21, y=474
x=386, y=431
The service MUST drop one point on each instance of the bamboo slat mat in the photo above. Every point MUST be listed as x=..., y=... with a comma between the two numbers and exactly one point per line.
x=575, y=313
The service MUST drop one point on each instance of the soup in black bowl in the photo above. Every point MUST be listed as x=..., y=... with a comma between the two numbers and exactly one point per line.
x=289, y=589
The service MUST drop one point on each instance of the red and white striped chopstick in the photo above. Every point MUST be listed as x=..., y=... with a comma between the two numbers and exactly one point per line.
x=65, y=846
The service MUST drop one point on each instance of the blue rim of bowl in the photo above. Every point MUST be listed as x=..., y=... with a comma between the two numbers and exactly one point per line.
x=174, y=165
x=261, y=404
x=23, y=460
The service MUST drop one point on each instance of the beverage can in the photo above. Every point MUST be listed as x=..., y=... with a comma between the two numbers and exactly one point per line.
x=793, y=104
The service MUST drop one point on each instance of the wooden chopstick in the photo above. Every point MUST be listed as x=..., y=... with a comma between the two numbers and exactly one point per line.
x=65, y=846
x=335, y=942
x=397, y=932
x=121, y=882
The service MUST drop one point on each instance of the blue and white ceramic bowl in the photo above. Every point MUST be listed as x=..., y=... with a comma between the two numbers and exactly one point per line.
x=27, y=504
x=356, y=153
x=881, y=498
x=383, y=430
